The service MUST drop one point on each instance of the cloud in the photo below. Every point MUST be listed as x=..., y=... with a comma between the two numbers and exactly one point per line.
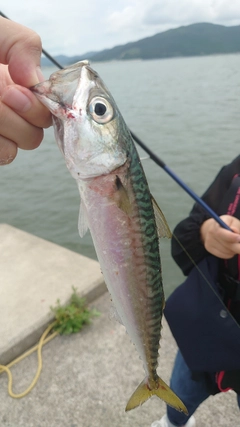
x=172, y=12
x=120, y=20
x=226, y=11
x=79, y=26
x=190, y=11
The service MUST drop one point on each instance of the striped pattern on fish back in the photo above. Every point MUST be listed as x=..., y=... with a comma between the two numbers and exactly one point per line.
x=153, y=286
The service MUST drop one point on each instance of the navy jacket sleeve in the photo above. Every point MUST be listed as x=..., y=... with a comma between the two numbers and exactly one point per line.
x=186, y=245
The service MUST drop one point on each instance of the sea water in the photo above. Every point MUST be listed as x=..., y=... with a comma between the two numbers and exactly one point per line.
x=185, y=109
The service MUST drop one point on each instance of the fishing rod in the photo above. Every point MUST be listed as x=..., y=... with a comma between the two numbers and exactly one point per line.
x=158, y=161
x=182, y=184
x=43, y=50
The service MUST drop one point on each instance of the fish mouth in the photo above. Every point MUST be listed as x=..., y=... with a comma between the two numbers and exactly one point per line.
x=46, y=95
x=59, y=90
x=42, y=88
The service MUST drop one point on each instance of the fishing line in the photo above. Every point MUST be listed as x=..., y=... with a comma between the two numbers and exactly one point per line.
x=158, y=161
x=182, y=184
x=206, y=279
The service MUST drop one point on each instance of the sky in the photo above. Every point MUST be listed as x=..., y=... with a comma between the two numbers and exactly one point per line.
x=76, y=27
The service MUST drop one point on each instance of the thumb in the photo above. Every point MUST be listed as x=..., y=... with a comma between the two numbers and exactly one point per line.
x=21, y=50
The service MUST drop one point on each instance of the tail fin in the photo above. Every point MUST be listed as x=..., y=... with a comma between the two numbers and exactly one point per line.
x=143, y=393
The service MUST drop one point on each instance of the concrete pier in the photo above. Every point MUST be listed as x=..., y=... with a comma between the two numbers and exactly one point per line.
x=34, y=273
x=88, y=377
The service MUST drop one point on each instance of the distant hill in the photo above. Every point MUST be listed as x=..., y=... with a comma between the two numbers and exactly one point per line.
x=191, y=40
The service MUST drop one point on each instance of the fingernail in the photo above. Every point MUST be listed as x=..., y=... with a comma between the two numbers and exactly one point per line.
x=4, y=162
x=16, y=100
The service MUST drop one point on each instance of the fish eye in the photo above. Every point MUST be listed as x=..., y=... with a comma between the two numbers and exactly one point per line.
x=101, y=110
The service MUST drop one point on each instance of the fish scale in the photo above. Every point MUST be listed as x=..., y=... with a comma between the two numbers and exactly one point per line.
x=117, y=207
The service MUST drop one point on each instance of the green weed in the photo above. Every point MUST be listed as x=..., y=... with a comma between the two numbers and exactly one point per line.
x=71, y=318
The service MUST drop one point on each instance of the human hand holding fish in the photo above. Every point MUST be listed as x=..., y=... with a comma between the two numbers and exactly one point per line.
x=22, y=116
x=116, y=205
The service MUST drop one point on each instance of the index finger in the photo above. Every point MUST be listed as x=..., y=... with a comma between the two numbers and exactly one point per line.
x=26, y=104
x=21, y=49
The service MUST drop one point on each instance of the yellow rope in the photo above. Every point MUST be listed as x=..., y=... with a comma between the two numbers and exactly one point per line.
x=43, y=340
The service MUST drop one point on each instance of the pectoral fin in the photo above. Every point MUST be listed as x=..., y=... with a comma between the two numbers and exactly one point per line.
x=121, y=197
x=161, y=222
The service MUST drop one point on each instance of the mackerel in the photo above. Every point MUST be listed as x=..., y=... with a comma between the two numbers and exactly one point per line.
x=116, y=205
